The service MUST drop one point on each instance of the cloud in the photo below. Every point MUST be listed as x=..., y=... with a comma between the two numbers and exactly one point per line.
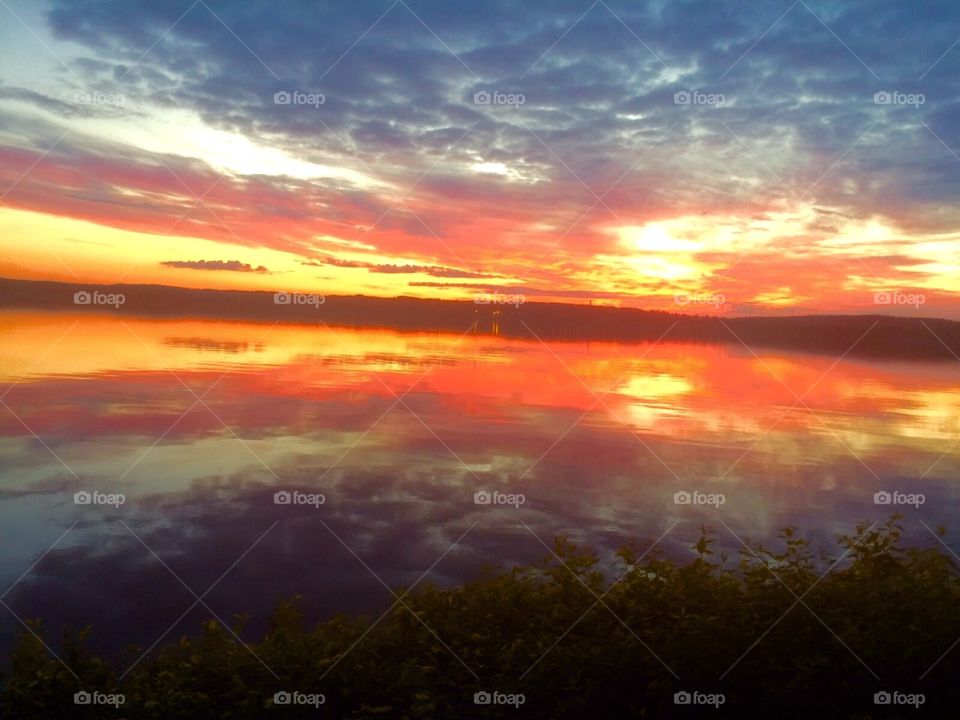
x=432, y=270
x=599, y=141
x=53, y=105
x=232, y=265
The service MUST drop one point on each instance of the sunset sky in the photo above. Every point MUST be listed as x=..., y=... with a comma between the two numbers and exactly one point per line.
x=754, y=157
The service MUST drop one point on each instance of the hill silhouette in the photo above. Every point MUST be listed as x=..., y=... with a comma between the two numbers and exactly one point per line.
x=866, y=336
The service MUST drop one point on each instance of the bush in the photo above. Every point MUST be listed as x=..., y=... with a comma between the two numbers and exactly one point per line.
x=783, y=631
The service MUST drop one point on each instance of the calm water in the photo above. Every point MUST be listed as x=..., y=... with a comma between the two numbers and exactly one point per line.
x=199, y=424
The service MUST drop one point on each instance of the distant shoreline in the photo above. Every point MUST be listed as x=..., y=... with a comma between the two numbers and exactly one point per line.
x=866, y=336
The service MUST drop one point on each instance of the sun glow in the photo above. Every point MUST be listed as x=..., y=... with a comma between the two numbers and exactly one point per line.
x=656, y=237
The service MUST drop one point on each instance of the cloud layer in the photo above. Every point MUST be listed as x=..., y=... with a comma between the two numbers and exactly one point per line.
x=533, y=144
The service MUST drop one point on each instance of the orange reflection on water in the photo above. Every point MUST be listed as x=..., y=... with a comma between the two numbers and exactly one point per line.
x=714, y=393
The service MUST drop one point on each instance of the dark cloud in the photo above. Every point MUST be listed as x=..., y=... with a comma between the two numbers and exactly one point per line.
x=59, y=107
x=432, y=270
x=598, y=80
x=233, y=265
x=427, y=269
x=799, y=126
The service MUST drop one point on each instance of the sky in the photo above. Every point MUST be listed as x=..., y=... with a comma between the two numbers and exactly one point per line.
x=699, y=156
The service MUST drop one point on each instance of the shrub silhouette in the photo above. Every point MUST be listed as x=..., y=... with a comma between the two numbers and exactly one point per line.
x=787, y=631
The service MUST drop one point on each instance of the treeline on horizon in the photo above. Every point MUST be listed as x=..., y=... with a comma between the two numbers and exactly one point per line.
x=866, y=336
x=791, y=631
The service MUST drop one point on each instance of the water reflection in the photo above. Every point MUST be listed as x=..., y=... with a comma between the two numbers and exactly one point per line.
x=199, y=423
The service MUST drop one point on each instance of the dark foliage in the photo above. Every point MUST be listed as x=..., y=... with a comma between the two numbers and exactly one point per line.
x=781, y=633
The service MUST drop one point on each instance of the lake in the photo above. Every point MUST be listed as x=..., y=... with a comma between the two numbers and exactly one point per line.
x=155, y=473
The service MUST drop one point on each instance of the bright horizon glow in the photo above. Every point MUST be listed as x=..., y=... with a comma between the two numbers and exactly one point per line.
x=419, y=179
